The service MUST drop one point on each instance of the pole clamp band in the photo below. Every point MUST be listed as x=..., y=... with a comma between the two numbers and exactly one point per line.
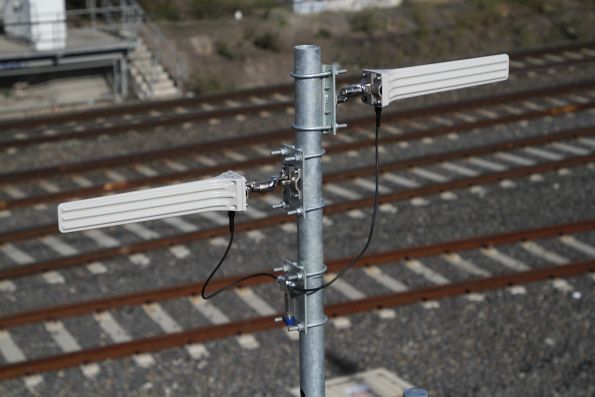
x=313, y=129
x=318, y=273
x=318, y=324
x=310, y=76
x=315, y=155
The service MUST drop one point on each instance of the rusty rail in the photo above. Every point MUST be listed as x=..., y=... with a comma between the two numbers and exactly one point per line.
x=169, y=120
x=98, y=255
x=204, y=334
x=285, y=133
x=379, y=258
x=256, y=162
x=338, y=176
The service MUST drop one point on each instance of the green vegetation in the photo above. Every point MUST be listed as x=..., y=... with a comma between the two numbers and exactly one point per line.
x=205, y=83
x=223, y=50
x=6, y=92
x=365, y=21
x=542, y=6
x=203, y=9
x=323, y=33
x=421, y=13
x=161, y=9
x=267, y=41
x=537, y=5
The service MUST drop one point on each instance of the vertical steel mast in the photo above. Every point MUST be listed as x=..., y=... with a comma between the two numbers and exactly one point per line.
x=308, y=127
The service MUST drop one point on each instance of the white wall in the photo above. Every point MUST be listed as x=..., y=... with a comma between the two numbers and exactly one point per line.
x=314, y=6
x=49, y=26
x=40, y=21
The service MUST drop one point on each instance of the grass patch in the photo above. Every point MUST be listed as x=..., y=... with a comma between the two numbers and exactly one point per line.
x=6, y=92
x=205, y=83
x=323, y=33
x=366, y=21
x=161, y=9
x=203, y=9
x=267, y=41
x=224, y=51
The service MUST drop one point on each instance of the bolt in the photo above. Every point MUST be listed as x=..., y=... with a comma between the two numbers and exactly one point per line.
x=291, y=158
x=280, y=152
x=278, y=319
x=279, y=269
x=280, y=205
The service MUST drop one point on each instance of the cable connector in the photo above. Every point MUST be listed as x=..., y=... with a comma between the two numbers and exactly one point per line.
x=285, y=177
x=351, y=92
x=266, y=186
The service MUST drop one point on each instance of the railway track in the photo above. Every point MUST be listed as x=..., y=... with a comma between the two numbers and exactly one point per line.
x=249, y=102
x=335, y=149
x=144, y=162
x=383, y=280
x=555, y=94
x=344, y=206
x=479, y=277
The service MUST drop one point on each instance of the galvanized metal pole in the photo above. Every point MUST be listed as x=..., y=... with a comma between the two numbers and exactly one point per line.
x=308, y=120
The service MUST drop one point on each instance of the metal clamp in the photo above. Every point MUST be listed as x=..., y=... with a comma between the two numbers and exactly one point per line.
x=322, y=128
x=292, y=173
x=329, y=99
x=293, y=280
x=310, y=76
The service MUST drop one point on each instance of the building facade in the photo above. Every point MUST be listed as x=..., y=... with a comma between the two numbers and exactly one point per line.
x=315, y=6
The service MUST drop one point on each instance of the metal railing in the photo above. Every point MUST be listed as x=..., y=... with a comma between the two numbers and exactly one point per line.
x=119, y=20
x=124, y=19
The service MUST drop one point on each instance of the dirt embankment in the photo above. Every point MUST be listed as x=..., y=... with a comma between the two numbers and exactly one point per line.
x=225, y=53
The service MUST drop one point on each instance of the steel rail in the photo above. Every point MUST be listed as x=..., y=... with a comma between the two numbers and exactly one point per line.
x=143, y=107
x=145, y=123
x=461, y=288
x=204, y=334
x=552, y=49
x=149, y=123
x=285, y=133
x=335, y=177
x=379, y=258
x=461, y=154
x=262, y=161
x=340, y=207
x=462, y=183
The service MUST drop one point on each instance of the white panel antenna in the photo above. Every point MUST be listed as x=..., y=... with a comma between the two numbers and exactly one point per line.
x=226, y=192
x=380, y=87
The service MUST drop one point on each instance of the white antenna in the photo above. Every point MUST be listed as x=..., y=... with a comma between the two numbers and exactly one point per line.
x=379, y=87
x=226, y=192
